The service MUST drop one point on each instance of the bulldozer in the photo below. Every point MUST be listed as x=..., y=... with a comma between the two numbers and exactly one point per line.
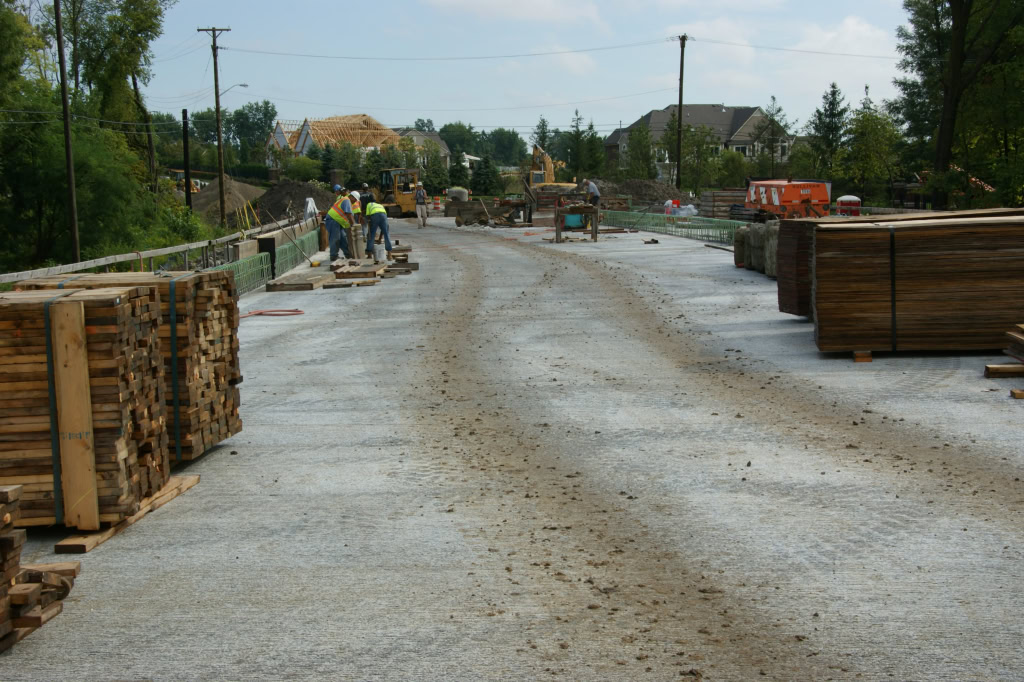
x=397, y=190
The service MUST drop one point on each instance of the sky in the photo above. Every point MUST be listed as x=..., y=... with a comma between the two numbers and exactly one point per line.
x=630, y=67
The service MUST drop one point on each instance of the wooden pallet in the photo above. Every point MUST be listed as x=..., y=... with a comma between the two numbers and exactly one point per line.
x=80, y=544
x=403, y=265
x=349, y=283
x=300, y=282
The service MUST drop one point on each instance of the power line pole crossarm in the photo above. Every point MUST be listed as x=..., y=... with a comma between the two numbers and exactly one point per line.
x=679, y=115
x=214, y=32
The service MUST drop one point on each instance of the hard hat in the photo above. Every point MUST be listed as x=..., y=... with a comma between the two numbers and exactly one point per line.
x=355, y=194
x=419, y=184
x=337, y=188
x=365, y=186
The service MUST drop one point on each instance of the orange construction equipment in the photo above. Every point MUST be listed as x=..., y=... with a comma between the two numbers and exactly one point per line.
x=789, y=198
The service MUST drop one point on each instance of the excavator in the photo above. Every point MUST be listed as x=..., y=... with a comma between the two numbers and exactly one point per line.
x=539, y=182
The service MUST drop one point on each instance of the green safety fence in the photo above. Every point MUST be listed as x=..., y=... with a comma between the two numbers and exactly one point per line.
x=693, y=227
x=288, y=256
x=250, y=273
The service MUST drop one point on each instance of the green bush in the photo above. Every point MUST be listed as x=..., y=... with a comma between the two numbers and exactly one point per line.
x=302, y=169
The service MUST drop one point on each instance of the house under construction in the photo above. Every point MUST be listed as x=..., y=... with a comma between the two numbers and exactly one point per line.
x=359, y=130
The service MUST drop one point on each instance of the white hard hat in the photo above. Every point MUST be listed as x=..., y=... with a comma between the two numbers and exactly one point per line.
x=355, y=194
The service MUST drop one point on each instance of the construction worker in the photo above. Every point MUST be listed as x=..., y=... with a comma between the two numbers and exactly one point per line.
x=365, y=197
x=377, y=217
x=357, y=208
x=421, y=204
x=339, y=221
x=593, y=196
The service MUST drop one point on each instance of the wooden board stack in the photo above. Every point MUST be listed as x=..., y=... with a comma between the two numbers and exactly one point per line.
x=937, y=284
x=716, y=203
x=1015, y=337
x=121, y=438
x=793, y=263
x=11, y=542
x=202, y=405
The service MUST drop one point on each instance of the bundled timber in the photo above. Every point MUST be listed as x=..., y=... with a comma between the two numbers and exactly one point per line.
x=1015, y=347
x=771, y=248
x=795, y=256
x=739, y=246
x=29, y=595
x=716, y=203
x=934, y=284
x=793, y=267
x=755, y=247
x=199, y=346
x=82, y=414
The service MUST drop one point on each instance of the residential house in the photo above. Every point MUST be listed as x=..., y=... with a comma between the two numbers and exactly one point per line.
x=733, y=126
x=420, y=138
x=360, y=130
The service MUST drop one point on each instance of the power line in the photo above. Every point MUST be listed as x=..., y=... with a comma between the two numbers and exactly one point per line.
x=446, y=59
x=421, y=109
x=795, y=49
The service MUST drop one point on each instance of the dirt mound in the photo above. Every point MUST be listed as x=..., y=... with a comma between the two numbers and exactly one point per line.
x=274, y=205
x=207, y=202
x=642, y=191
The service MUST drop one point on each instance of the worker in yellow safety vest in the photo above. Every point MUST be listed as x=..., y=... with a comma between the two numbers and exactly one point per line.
x=377, y=217
x=339, y=223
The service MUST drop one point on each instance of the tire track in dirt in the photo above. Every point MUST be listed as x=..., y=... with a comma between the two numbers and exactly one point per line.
x=618, y=603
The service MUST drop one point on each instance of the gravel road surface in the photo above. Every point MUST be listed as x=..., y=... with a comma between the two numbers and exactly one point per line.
x=608, y=461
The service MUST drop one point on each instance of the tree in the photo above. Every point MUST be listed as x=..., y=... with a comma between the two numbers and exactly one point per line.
x=732, y=170
x=640, y=154
x=203, y=125
x=509, y=147
x=541, y=134
x=946, y=46
x=327, y=160
x=410, y=155
x=804, y=161
x=873, y=152
x=485, y=178
x=302, y=168
x=771, y=131
x=827, y=129
x=698, y=157
x=424, y=125
x=459, y=136
x=392, y=157
x=458, y=174
x=435, y=175
x=593, y=151
x=373, y=164
x=575, y=145
x=250, y=125
x=670, y=138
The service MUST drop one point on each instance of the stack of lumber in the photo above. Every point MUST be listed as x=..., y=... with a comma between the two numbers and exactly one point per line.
x=99, y=422
x=926, y=284
x=755, y=248
x=11, y=542
x=200, y=358
x=793, y=267
x=716, y=203
x=29, y=595
x=771, y=248
x=739, y=246
x=1015, y=347
x=795, y=256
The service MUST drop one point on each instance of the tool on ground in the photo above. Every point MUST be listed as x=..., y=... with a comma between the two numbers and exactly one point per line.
x=274, y=312
x=312, y=263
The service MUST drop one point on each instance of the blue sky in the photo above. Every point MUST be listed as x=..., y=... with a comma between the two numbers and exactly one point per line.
x=513, y=91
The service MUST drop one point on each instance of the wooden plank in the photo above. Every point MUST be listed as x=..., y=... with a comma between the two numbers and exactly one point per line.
x=1017, y=393
x=25, y=593
x=80, y=544
x=37, y=617
x=68, y=569
x=1004, y=371
x=74, y=416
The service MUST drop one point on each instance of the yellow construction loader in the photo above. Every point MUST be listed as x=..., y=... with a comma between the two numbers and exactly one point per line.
x=397, y=191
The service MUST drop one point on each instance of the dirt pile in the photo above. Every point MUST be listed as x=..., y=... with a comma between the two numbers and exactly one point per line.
x=207, y=202
x=642, y=191
x=274, y=205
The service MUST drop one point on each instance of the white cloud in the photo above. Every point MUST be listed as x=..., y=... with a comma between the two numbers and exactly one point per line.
x=575, y=63
x=552, y=11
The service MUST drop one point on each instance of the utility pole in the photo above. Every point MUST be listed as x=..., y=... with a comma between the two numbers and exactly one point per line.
x=68, y=157
x=679, y=115
x=188, y=161
x=214, y=32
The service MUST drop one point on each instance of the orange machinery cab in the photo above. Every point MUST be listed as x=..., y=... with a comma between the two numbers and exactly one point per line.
x=789, y=198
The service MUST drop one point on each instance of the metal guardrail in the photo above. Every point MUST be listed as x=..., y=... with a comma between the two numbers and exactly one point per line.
x=288, y=256
x=250, y=273
x=693, y=227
